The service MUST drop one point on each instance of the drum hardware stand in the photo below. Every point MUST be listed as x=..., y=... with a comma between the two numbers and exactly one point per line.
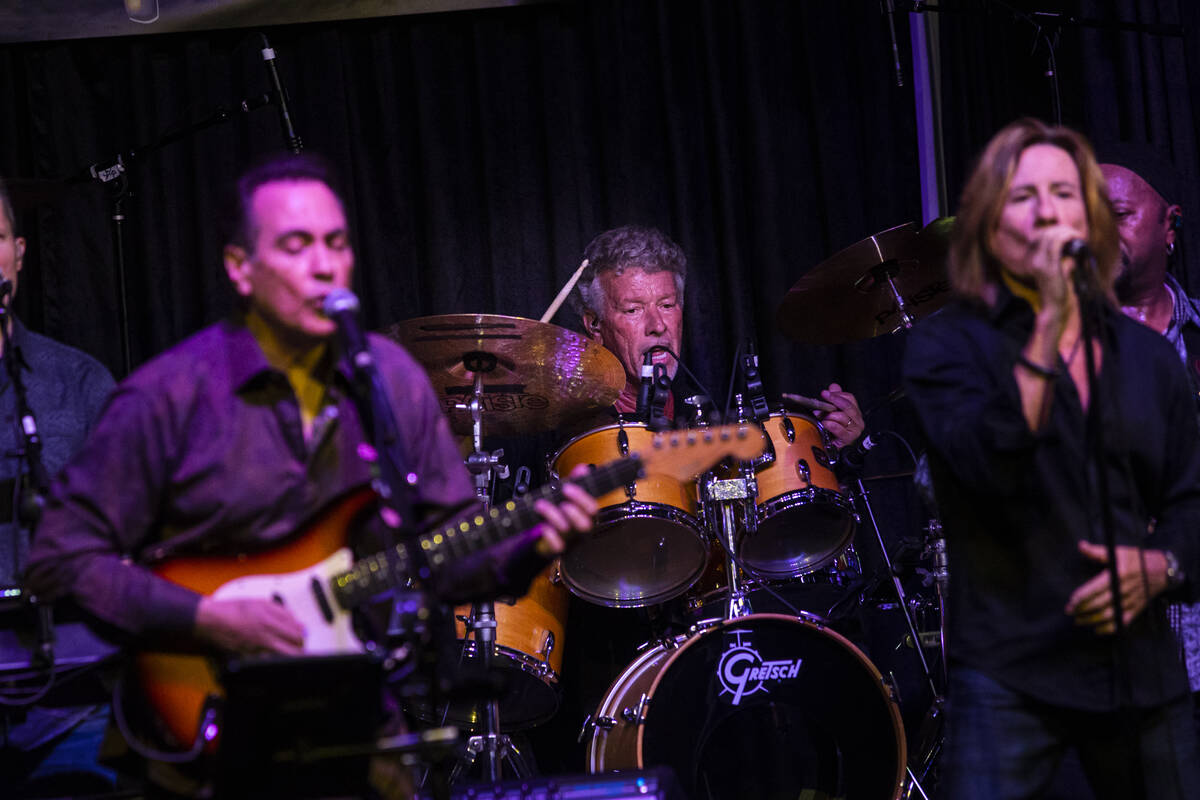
x=725, y=494
x=862, y=496
x=491, y=743
x=886, y=272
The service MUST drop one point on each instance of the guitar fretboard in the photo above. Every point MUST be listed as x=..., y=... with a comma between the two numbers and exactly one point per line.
x=389, y=568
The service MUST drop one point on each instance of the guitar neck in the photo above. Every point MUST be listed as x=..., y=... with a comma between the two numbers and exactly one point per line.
x=390, y=568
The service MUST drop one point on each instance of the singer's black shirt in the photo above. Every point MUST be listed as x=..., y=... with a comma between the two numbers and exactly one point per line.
x=1015, y=504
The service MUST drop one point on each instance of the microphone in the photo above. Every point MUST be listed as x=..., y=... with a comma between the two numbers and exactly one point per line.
x=889, y=7
x=341, y=306
x=1081, y=277
x=1076, y=249
x=643, y=401
x=6, y=290
x=290, y=140
x=852, y=457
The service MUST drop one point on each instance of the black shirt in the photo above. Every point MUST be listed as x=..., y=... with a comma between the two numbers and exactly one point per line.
x=1015, y=504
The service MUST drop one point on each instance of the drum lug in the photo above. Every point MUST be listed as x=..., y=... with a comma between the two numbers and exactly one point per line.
x=637, y=714
x=623, y=442
x=822, y=457
x=803, y=471
x=599, y=722
x=547, y=646
x=789, y=430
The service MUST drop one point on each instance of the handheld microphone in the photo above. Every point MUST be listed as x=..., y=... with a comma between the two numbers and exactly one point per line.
x=6, y=290
x=643, y=401
x=1081, y=277
x=341, y=306
x=852, y=457
x=290, y=140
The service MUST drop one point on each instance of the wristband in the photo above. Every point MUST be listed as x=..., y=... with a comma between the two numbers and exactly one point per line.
x=1037, y=369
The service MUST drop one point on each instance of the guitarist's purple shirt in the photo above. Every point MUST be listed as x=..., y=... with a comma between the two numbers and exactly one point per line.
x=201, y=451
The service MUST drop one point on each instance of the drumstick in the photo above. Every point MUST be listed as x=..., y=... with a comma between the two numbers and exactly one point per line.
x=811, y=403
x=562, y=295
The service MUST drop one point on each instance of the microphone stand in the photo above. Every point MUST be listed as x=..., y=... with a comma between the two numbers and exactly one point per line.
x=393, y=481
x=1091, y=318
x=29, y=498
x=112, y=172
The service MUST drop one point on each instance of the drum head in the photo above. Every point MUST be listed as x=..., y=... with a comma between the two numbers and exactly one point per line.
x=769, y=706
x=635, y=558
x=799, y=532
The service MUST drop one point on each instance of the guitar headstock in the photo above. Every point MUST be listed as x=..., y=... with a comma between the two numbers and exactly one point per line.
x=686, y=453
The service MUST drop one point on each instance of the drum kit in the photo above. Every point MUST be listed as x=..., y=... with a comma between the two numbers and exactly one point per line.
x=740, y=703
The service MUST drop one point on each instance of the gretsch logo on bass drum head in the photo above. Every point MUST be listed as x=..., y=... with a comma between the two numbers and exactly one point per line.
x=743, y=672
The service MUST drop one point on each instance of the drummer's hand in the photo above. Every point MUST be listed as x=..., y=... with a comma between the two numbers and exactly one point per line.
x=1091, y=604
x=560, y=521
x=837, y=410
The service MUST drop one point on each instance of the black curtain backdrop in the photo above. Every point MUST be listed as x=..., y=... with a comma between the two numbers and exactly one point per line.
x=484, y=149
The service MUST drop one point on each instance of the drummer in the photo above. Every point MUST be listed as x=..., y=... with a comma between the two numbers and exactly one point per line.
x=630, y=298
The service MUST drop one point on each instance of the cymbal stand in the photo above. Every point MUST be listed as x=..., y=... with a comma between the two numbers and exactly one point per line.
x=494, y=746
x=884, y=273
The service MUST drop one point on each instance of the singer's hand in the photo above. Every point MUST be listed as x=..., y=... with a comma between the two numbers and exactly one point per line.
x=1051, y=271
x=836, y=409
x=1091, y=604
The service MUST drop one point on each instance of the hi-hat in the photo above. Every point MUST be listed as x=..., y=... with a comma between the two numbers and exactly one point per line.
x=878, y=285
x=536, y=376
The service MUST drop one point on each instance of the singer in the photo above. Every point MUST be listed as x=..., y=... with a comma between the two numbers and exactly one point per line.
x=244, y=431
x=999, y=382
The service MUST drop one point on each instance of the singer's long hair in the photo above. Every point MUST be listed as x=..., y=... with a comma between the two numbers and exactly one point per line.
x=974, y=270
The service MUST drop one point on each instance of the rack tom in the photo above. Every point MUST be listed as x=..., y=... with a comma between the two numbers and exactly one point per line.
x=648, y=545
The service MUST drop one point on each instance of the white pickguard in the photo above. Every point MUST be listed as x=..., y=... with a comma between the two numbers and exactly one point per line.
x=294, y=589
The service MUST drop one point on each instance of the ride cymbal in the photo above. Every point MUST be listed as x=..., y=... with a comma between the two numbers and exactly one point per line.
x=536, y=376
x=857, y=293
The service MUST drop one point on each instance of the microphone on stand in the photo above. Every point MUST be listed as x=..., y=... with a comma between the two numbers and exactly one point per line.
x=341, y=306
x=1083, y=276
x=889, y=8
x=643, y=400
x=852, y=457
x=290, y=140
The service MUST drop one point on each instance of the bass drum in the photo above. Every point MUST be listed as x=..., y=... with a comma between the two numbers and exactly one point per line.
x=765, y=706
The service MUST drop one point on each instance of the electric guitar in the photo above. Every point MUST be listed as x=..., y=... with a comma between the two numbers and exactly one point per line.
x=315, y=576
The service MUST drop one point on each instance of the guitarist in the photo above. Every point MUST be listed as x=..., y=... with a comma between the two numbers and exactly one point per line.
x=238, y=435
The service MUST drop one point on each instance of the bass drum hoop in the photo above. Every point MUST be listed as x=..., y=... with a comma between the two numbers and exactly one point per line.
x=652, y=659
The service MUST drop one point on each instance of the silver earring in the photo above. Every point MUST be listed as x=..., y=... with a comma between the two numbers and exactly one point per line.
x=1170, y=248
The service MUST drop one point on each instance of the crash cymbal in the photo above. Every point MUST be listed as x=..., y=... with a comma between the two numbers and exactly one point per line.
x=536, y=376
x=853, y=294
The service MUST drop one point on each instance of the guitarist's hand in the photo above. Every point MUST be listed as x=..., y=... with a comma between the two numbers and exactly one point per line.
x=249, y=625
x=573, y=515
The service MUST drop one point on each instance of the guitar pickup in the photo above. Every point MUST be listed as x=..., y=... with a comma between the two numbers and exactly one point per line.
x=322, y=600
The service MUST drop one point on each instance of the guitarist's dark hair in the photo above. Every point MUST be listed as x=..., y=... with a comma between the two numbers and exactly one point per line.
x=274, y=167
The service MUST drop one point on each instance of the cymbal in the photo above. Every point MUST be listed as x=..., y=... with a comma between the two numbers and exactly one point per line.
x=849, y=295
x=536, y=376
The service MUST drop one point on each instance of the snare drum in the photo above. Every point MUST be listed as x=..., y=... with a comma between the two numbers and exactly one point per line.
x=802, y=520
x=527, y=655
x=648, y=545
x=761, y=706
